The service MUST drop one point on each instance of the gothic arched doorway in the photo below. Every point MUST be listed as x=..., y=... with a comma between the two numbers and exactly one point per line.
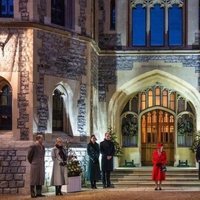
x=157, y=126
x=156, y=115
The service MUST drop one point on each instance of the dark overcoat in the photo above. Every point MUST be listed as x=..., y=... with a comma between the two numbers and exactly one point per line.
x=198, y=154
x=35, y=157
x=93, y=165
x=107, y=148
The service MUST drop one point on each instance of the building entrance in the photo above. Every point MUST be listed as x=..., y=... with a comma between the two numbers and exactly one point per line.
x=157, y=126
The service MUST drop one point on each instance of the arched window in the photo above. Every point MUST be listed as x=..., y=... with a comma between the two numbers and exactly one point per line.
x=143, y=101
x=172, y=101
x=139, y=25
x=165, y=98
x=175, y=26
x=58, y=12
x=112, y=15
x=5, y=108
x=60, y=116
x=6, y=8
x=150, y=98
x=157, y=25
x=57, y=111
x=158, y=96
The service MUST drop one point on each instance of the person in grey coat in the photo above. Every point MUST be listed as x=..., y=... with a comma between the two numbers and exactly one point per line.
x=59, y=172
x=107, y=150
x=35, y=157
x=93, y=165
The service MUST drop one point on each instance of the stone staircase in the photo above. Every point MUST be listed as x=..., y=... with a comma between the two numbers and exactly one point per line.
x=141, y=177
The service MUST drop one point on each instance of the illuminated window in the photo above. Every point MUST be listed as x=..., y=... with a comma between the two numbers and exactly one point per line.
x=172, y=101
x=6, y=8
x=165, y=98
x=158, y=124
x=143, y=101
x=157, y=96
x=150, y=98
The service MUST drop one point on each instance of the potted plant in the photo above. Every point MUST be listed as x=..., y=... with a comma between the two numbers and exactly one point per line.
x=118, y=148
x=74, y=170
x=196, y=141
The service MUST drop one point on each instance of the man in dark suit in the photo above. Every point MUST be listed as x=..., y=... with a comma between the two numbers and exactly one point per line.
x=107, y=150
x=198, y=157
x=35, y=157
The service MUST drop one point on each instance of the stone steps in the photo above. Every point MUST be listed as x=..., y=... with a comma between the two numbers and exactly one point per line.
x=141, y=177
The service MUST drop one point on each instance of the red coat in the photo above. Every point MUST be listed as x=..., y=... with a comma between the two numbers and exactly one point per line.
x=158, y=160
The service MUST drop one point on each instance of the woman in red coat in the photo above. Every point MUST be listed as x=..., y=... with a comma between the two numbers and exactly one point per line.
x=159, y=159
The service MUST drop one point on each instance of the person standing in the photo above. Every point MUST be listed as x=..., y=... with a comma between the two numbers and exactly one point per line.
x=93, y=166
x=107, y=150
x=198, y=158
x=35, y=157
x=159, y=160
x=59, y=172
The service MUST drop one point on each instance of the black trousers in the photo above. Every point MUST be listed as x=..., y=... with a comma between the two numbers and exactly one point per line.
x=38, y=190
x=199, y=170
x=106, y=178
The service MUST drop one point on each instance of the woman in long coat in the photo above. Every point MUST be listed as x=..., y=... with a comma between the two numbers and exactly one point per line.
x=59, y=172
x=93, y=166
x=159, y=159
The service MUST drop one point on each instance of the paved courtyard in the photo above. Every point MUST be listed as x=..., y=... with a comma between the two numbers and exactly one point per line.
x=185, y=193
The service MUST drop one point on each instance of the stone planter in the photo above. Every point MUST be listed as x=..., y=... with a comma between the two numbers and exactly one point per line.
x=115, y=162
x=74, y=184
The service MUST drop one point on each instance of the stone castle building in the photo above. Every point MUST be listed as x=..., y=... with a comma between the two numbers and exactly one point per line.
x=70, y=68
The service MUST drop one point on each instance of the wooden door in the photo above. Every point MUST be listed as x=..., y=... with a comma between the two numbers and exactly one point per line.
x=157, y=126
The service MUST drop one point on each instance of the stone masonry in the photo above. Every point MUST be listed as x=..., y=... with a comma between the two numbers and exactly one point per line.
x=12, y=170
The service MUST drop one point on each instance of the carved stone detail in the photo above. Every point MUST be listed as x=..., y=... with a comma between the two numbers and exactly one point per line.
x=151, y=3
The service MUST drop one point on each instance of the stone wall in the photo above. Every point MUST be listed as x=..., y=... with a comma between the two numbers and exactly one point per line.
x=64, y=58
x=13, y=171
x=109, y=66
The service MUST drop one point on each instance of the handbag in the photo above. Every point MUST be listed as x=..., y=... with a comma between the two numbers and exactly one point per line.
x=163, y=168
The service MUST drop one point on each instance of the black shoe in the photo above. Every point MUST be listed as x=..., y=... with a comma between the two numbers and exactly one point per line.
x=156, y=188
x=40, y=195
x=33, y=195
x=104, y=186
x=160, y=188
